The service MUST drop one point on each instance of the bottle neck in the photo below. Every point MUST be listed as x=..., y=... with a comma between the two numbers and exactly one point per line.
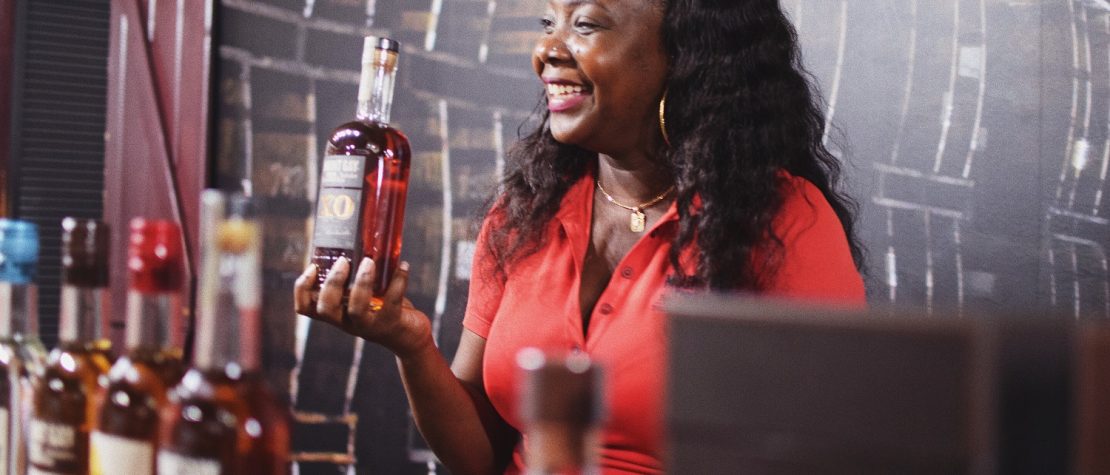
x=153, y=320
x=19, y=316
x=228, y=312
x=82, y=314
x=375, y=89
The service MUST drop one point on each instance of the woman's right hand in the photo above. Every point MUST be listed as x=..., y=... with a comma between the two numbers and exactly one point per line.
x=397, y=325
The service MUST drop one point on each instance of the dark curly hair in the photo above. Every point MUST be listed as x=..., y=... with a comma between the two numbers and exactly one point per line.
x=740, y=109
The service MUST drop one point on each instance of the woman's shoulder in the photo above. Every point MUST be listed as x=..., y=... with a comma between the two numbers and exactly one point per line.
x=803, y=203
x=817, y=262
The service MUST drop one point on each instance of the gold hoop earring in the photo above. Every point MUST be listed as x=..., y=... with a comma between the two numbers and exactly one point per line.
x=663, y=119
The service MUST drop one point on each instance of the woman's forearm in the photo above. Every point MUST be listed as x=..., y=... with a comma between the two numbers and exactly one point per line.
x=458, y=423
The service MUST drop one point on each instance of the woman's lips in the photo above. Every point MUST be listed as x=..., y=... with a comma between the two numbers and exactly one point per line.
x=563, y=97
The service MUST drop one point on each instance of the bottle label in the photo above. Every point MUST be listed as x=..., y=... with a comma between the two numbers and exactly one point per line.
x=4, y=441
x=111, y=454
x=339, y=203
x=170, y=463
x=56, y=448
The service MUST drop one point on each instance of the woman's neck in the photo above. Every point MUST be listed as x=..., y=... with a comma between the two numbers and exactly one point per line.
x=635, y=178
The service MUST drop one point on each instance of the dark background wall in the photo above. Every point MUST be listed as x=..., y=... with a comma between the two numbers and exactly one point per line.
x=974, y=134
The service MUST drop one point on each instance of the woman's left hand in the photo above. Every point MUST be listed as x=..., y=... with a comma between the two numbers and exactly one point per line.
x=396, y=324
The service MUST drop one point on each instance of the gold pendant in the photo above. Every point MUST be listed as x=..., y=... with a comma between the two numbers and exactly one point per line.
x=637, y=222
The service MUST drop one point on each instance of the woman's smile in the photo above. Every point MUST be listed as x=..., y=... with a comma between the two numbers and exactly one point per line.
x=563, y=95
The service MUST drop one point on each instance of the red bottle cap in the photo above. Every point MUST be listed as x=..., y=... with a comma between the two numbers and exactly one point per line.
x=155, y=260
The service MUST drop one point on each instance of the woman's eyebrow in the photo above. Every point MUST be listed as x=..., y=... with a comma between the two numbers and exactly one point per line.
x=578, y=3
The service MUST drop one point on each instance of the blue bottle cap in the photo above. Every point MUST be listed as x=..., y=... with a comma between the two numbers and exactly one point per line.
x=19, y=251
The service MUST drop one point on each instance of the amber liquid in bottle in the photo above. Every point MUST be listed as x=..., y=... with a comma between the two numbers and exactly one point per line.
x=64, y=397
x=126, y=435
x=64, y=402
x=221, y=419
x=365, y=176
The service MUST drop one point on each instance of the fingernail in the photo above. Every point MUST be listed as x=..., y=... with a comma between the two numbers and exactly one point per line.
x=404, y=266
x=364, y=266
x=341, y=264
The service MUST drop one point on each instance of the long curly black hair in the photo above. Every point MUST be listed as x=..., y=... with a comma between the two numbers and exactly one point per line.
x=740, y=109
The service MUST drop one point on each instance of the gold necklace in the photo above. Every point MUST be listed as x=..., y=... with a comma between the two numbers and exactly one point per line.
x=637, y=221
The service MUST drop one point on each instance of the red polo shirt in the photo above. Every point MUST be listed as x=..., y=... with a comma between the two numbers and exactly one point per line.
x=536, y=305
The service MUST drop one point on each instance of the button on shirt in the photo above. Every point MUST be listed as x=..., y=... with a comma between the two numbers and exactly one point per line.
x=535, y=304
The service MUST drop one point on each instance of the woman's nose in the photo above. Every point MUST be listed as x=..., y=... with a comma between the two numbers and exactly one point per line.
x=550, y=49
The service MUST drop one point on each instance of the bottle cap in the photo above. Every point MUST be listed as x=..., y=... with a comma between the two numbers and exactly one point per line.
x=381, y=42
x=19, y=251
x=155, y=259
x=85, y=244
x=380, y=51
x=560, y=389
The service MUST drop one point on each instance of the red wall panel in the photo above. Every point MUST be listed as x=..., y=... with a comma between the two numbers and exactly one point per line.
x=156, y=142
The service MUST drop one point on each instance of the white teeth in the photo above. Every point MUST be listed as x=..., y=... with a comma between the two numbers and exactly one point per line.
x=563, y=90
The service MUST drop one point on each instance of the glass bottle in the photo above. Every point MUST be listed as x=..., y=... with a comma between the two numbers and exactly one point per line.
x=222, y=418
x=562, y=410
x=64, y=396
x=22, y=354
x=365, y=175
x=126, y=433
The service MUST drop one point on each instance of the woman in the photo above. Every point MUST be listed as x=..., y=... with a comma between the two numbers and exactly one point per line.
x=682, y=147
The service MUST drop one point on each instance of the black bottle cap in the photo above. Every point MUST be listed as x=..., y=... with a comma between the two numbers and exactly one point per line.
x=388, y=44
x=85, y=244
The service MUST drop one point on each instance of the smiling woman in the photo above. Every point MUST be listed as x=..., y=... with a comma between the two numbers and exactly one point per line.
x=681, y=146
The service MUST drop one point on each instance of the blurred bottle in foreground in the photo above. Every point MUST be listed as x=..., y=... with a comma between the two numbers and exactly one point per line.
x=126, y=432
x=222, y=418
x=562, y=410
x=65, y=396
x=22, y=354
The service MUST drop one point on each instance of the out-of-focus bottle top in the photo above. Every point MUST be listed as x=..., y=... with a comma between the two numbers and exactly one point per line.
x=381, y=42
x=560, y=388
x=380, y=51
x=19, y=251
x=85, y=245
x=241, y=206
x=155, y=259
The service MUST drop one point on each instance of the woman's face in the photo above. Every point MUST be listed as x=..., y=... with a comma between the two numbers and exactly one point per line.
x=604, y=68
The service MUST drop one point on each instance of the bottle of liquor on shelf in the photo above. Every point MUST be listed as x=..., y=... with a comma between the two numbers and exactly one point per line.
x=22, y=354
x=64, y=397
x=85, y=244
x=365, y=175
x=562, y=410
x=125, y=436
x=221, y=417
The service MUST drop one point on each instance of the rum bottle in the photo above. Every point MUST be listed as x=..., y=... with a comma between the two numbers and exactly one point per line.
x=22, y=354
x=562, y=410
x=126, y=432
x=222, y=418
x=64, y=396
x=364, y=179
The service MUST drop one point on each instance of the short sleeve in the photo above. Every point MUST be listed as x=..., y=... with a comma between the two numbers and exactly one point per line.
x=487, y=283
x=817, y=262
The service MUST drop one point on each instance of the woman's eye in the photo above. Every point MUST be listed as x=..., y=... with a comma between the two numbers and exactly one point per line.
x=547, y=24
x=586, y=26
